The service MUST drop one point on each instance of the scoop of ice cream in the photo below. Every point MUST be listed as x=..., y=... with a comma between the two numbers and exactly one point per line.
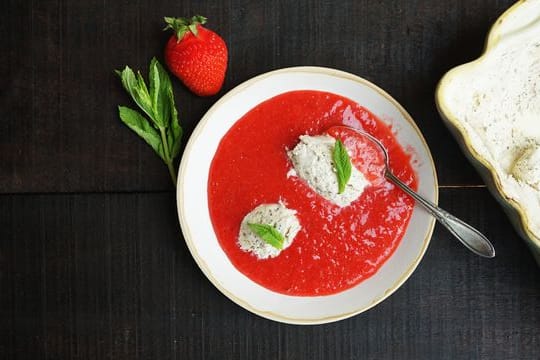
x=527, y=166
x=312, y=161
x=284, y=220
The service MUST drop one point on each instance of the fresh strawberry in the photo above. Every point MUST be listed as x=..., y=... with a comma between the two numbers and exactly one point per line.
x=196, y=55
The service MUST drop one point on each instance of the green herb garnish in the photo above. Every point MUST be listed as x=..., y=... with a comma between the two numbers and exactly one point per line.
x=269, y=234
x=342, y=162
x=162, y=132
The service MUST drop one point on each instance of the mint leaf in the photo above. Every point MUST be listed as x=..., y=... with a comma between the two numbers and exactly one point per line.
x=135, y=86
x=269, y=234
x=175, y=131
x=342, y=162
x=142, y=89
x=160, y=85
x=136, y=122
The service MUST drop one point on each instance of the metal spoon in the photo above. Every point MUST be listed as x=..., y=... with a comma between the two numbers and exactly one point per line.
x=473, y=239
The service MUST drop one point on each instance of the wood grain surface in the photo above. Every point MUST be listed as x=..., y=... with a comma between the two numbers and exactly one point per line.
x=60, y=130
x=92, y=261
x=107, y=276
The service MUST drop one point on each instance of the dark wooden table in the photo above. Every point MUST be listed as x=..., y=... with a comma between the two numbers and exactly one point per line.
x=92, y=261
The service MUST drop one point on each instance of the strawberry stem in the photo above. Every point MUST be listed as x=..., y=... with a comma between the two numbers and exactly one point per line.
x=182, y=25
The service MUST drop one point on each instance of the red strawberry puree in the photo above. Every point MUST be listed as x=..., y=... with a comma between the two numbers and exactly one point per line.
x=337, y=248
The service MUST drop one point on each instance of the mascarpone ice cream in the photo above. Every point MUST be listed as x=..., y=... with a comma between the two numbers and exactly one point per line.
x=284, y=220
x=312, y=161
x=527, y=166
x=498, y=103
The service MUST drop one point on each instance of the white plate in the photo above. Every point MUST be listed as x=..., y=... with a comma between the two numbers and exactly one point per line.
x=195, y=218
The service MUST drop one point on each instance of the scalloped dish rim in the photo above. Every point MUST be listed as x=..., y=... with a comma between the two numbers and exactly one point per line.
x=494, y=36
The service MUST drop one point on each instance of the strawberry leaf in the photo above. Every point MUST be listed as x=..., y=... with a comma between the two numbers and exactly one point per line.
x=193, y=29
x=181, y=25
x=198, y=19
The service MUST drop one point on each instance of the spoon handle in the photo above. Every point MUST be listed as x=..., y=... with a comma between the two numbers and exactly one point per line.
x=473, y=239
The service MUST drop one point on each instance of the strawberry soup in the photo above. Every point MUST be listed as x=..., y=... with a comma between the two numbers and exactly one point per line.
x=337, y=247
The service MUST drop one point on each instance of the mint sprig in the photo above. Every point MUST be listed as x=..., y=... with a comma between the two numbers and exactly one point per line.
x=269, y=234
x=343, y=165
x=162, y=132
